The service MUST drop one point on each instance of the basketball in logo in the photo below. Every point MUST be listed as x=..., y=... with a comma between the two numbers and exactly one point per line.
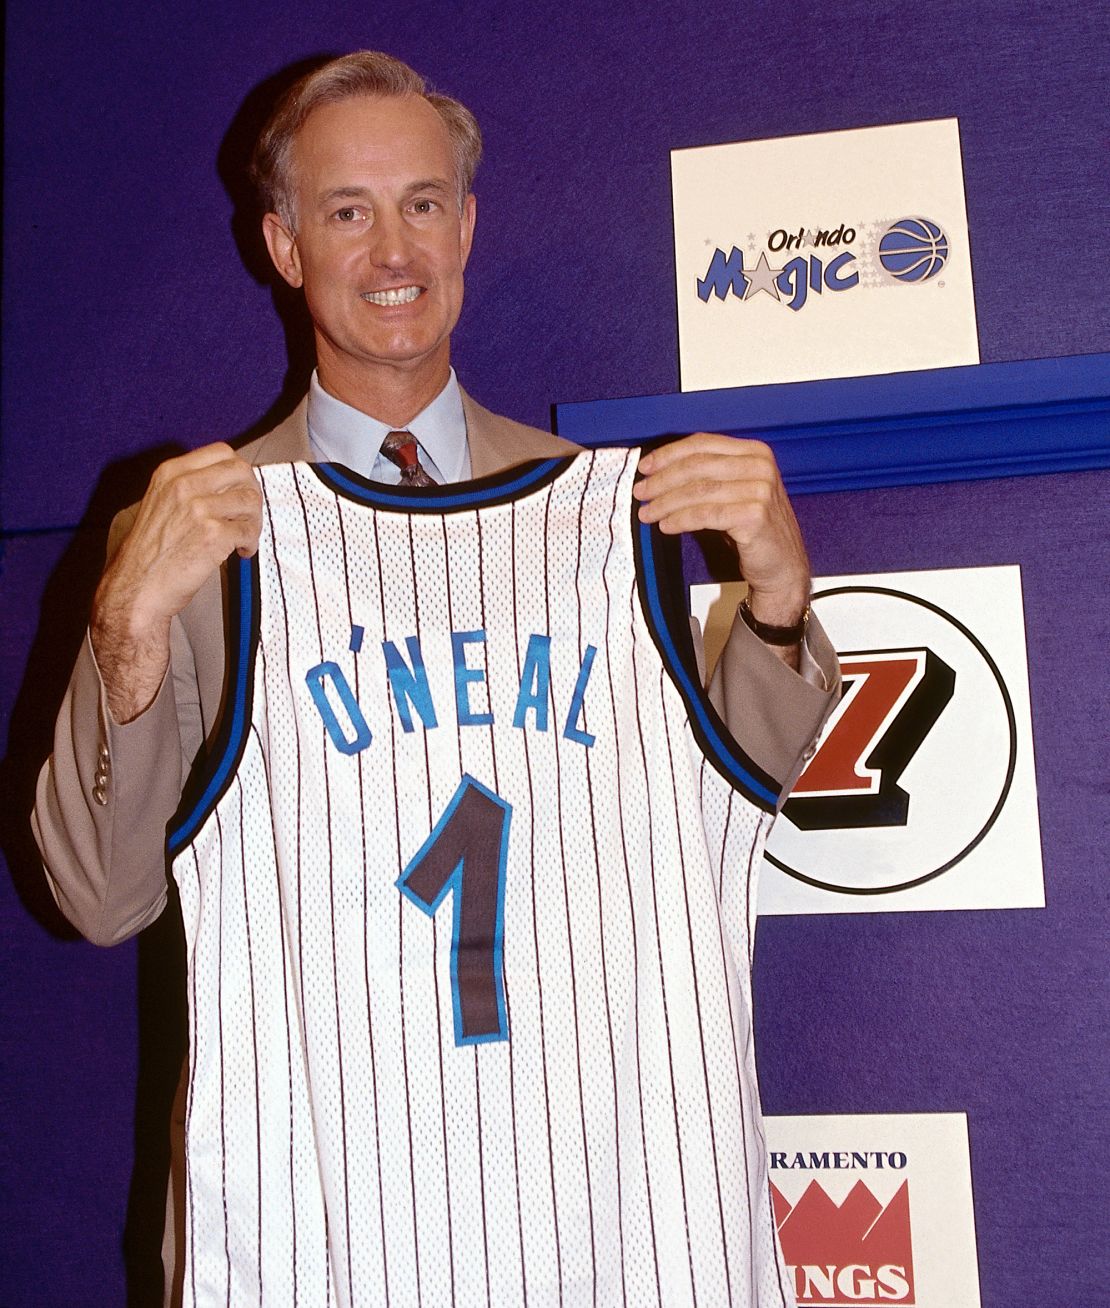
x=913, y=250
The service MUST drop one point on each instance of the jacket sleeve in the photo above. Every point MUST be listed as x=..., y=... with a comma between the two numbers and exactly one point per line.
x=774, y=712
x=107, y=791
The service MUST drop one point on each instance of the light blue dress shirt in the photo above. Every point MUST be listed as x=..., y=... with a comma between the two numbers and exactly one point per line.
x=339, y=433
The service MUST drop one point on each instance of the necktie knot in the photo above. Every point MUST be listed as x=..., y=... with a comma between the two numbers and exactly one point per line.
x=399, y=447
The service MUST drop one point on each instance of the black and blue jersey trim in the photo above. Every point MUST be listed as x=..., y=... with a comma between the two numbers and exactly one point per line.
x=498, y=488
x=657, y=561
x=205, y=790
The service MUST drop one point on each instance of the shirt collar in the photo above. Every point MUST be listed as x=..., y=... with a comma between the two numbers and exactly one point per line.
x=340, y=433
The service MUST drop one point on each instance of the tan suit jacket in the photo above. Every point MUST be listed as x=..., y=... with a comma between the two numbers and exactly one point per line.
x=106, y=860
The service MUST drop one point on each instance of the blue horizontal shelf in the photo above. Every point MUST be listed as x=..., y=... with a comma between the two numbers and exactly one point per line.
x=853, y=433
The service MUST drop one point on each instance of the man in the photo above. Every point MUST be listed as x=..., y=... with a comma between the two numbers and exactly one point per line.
x=366, y=179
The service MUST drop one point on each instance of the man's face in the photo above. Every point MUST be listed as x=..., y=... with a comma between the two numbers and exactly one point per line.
x=380, y=245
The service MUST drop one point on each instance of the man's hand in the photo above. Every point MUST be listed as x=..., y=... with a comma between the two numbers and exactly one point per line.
x=196, y=511
x=733, y=486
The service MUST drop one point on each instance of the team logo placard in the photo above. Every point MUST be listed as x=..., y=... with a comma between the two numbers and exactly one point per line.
x=921, y=794
x=875, y=1210
x=832, y=255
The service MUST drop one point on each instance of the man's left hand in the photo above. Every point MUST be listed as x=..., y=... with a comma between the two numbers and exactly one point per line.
x=732, y=485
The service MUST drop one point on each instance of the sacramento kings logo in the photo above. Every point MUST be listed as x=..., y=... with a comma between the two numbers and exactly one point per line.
x=913, y=250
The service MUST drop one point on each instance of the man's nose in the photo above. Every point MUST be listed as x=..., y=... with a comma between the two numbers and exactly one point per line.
x=390, y=242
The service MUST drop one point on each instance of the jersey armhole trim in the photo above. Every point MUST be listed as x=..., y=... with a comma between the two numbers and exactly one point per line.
x=205, y=790
x=659, y=581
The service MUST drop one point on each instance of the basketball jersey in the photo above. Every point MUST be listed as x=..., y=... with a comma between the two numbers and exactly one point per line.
x=469, y=894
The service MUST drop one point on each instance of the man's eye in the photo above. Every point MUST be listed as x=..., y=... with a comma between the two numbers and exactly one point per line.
x=348, y=215
x=424, y=206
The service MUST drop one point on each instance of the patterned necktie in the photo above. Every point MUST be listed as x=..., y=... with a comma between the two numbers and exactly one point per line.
x=399, y=447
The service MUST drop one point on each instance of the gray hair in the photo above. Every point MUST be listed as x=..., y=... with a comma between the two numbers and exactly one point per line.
x=363, y=73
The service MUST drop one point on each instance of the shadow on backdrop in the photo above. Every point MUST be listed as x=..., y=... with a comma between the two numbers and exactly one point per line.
x=233, y=166
x=162, y=1017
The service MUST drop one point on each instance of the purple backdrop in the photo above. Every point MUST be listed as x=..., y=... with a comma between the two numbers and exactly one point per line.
x=138, y=316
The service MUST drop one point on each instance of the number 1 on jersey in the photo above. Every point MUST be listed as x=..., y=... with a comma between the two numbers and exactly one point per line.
x=466, y=855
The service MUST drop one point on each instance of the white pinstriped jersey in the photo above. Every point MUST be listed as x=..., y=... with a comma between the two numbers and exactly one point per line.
x=469, y=899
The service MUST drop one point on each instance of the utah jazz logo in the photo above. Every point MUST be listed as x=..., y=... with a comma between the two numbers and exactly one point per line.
x=891, y=701
x=917, y=759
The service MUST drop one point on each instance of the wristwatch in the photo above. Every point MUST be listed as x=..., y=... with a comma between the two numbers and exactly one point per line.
x=770, y=635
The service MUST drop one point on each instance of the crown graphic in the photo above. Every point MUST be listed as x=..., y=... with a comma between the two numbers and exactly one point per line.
x=817, y=1232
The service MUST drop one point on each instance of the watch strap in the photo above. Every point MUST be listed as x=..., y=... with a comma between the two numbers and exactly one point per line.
x=771, y=635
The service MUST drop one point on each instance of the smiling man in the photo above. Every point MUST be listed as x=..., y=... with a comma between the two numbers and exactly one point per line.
x=366, y=181
x=376, y=226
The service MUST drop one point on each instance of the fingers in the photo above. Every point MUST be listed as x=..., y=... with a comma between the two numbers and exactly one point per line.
x=742, y=509
x=708, y=467
x=705, y=443
x=208, y=471
x=218, y=523
x=722, y=483
x=198, y=509
x=707, y=481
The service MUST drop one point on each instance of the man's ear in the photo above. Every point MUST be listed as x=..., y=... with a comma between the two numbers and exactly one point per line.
x=467, y=233
x=282, y=244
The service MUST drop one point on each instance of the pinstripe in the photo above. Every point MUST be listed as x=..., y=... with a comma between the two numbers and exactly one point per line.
x=536, y=939
x=254, y=1031
x=663, y=983
x=747, y=1173
x=327, y=1260
x=297, y=872
x=331, y=901
x=748, y=940
x=740, y=1096
x=220, y=1031
x=284, y=967
x=570, y=932
x=339, y=508
x=477, y=1072
x=435, y=955
x=191, y=1099
x=288, y=1032
x=401, y=954
x=366, y=936
x=597, y=857
x=597, y=869
x=334, y=952
x=634, y=916
x=508, y=1007
x=697, y=1004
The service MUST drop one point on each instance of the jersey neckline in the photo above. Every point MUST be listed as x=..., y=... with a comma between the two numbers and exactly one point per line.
x=497, y=488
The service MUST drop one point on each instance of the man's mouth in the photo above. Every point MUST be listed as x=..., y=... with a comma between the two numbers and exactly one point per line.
x=397, y=295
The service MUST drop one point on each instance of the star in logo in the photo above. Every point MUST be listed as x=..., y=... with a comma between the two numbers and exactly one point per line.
x=762, y=278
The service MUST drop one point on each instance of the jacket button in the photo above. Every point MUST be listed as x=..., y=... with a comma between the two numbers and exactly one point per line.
x=100, y=795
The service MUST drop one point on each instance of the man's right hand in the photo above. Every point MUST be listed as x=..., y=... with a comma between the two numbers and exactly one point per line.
x=197, y=509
